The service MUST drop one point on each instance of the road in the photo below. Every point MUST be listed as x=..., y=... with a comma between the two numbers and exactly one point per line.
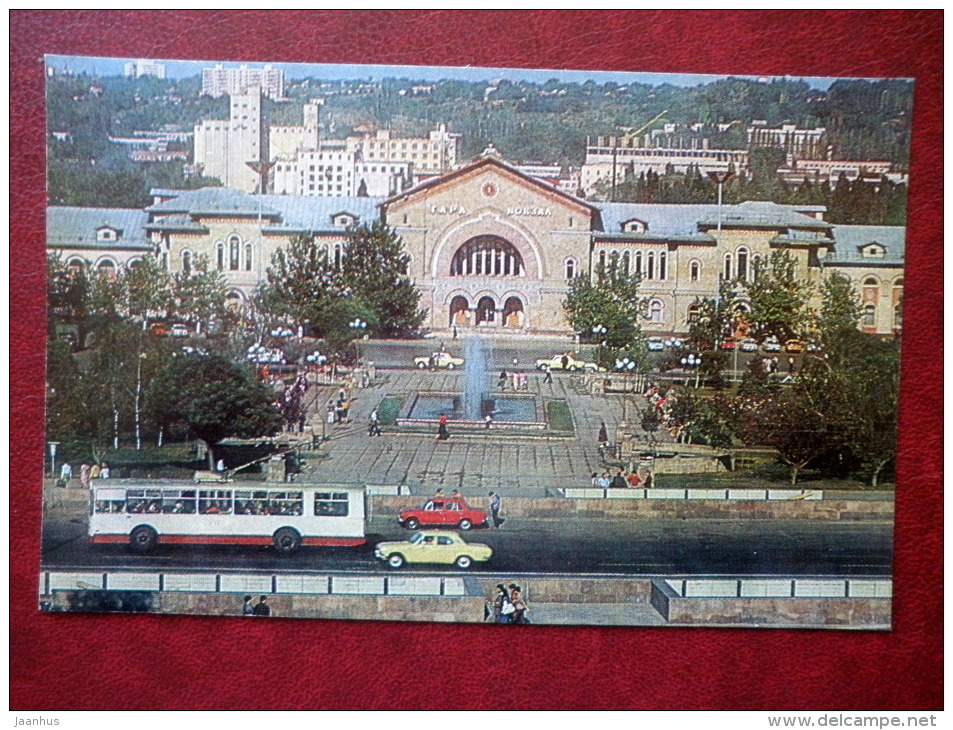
x=593, y=546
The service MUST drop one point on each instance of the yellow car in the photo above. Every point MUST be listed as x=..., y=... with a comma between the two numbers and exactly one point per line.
x=439, y=360
x=567, y=362
x=433, y=546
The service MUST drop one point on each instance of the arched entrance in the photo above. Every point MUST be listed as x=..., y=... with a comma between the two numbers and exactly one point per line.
x=487, y=256
x=459, y=311
x=513, y=313
x=486, y=311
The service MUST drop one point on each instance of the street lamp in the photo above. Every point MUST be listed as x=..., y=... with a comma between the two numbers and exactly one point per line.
x=599, y=332
x=53, y=445
x=694, y=362
x=358, y=326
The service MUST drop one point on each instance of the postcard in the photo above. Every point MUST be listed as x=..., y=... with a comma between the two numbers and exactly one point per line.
x=472, y=344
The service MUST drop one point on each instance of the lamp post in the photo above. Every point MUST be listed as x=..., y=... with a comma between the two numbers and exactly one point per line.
x=693, y=362
x=358, y=326
x=599, y=332
x=53, y=445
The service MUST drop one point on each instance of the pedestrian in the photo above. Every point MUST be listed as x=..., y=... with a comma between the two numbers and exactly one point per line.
x=247, y=608
x=104, y=471
x=496, y=504
x=262, y=609
x=220, y=466
x=442, y=432
x=502, y=381
x=520, y=609
x=548, y=378
x=95, y=471
x=488, y=421
x=374, y=427
x=647, y=482
x=618, y=481
x=791, y=365
x=502, y=606
x=595, y=479
x=604, y=481
x=66, y=473
x=84, y=475
x=331, y=413
x=564, y=361
x=603, y=437
x=634, y=480
x=774, y=364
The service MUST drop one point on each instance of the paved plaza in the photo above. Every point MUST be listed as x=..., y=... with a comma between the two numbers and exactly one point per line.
x=523, y=465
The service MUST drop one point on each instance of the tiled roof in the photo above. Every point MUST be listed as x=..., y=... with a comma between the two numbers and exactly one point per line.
x=77, y=227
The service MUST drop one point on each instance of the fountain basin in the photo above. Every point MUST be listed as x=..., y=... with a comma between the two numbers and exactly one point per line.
x=514, y=410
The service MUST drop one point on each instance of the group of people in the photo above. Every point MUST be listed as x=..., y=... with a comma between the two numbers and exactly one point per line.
x=622, y=480
x=338, y=410
x=516, y=380
x=86, y=473
x=508, y=606
x=291, y=404
x=260, y=609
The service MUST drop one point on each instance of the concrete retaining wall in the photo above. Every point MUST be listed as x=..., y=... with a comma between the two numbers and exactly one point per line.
x=555, y=508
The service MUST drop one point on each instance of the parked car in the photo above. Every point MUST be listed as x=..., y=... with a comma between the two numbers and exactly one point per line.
x=729, y=344
x=794, y=346
x=433, y=546
x=556, y=362
x=674, y=343
x=159, y=329
x=179, y=330
x=771, y=344
x=443, y=512
x=749, y=344
x=439, y=360
x=655, y=344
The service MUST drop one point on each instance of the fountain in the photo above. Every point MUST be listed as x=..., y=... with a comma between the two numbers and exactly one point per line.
x=471, y=406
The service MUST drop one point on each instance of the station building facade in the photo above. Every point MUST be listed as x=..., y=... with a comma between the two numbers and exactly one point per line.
x=494, y=250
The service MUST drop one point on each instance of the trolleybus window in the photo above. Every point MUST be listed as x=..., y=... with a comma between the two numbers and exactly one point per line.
x=215, y=501
x=110, y=500
x=143, y=500
x=178, y=501
x=331, y=504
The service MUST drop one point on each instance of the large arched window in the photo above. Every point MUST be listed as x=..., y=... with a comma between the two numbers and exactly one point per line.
x=650, y=268
x=727, y=271
x=487, y=256
x=694, y=312
x=663, y=265
x=656, y=310
x=107, y=268
x=638, y=263
x=869, y=318
x=220, y=256
x=625, y=263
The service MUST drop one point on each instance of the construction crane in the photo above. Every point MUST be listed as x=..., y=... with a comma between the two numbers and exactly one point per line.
x=630, y=132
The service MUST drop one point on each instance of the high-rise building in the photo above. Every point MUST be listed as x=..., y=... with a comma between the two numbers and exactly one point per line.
x=143, y=67
x=223, y=148
x=220, y=80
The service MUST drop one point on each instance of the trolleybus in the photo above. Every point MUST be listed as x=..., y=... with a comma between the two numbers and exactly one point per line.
x=145, y=515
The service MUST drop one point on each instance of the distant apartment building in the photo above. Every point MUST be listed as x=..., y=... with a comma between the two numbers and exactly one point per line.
x=143, y=67
x=796, y=171
x=223, y=148
x=219, y=80
x=334, y=170
x=616, y=158
x=807, y=144
x=429, y=156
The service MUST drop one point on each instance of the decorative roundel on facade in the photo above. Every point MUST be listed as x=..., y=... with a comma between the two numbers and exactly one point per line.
x=489, y=190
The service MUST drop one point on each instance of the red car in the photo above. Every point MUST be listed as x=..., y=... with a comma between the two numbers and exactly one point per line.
x=442, y=512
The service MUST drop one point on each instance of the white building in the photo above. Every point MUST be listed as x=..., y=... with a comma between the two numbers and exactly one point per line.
x=220, y=80
x=223, y=148
x=143, y=67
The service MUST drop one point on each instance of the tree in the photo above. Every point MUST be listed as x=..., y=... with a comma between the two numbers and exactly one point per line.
x=778, y=298
x=374, y=269
x=610, y=301
x=199, y=294
x=214, y=398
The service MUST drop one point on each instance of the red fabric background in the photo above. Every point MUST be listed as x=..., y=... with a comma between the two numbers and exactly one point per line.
x=63, y=661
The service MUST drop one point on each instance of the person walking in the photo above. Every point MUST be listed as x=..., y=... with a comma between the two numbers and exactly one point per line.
x=374, y=427
x=496, y=504
x=66, y=473
x=603, y=438
x=520, y=609
x=84, y=475
x=501, y=383
x=618, y=481
x=104, y=471
x=443, y=432
x=248, y=609
x=548, y=378
x=502, y=606
x=94, y=471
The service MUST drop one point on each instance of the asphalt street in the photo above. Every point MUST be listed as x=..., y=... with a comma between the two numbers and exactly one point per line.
x=586, y=546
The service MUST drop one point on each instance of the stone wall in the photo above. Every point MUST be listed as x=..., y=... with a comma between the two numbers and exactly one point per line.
x=558, y=508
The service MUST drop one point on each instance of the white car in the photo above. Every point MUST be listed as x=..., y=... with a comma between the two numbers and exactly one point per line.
x=179, y=330
x=749, y=344
x=439, y=360
x=655, y=344
x=771, y=345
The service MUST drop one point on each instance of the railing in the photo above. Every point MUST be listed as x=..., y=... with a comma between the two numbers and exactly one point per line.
x=709, y=494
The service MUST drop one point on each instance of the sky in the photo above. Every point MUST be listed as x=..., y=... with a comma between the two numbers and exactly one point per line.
x=179, y=69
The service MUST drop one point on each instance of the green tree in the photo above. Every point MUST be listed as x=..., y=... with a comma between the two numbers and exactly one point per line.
x=611, y=302
x=779, y=298
x=199, y=294
x=214, y=398
x=374, y=269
